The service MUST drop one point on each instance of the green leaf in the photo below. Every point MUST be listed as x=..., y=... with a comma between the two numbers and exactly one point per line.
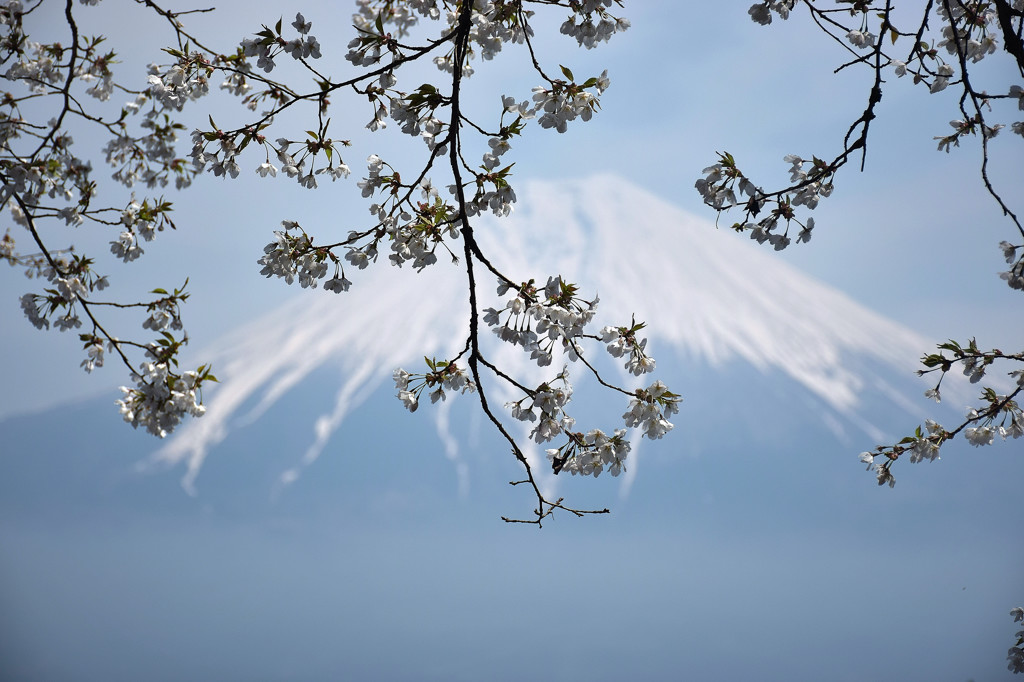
x=567, y=72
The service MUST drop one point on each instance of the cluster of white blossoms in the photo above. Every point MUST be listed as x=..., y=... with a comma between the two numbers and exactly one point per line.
x=160, y=398
x=178, y=85
x=565, y=102
x=546, y=407
x=126, y=246
x=417, y=238
x=590, y=33
x=414, y=236
x=498, y=145
x=415, y=113
x=1011, y=427
x=152, y=157
x=402, y=16
x=623, y=341
x=812, y=187
x=57, y=176
x=861, y=38
x=722, y=180
x=925, y=445
x=962, y=127
x=292, y=256
x=163, y=314
x=222, y=161
x=37, y=67
x=296, y=168
x=650, y=408
x=719, y=184
x=969, y=27
x=374, y=180
x=442, y=375
x=219, y=150
x=492, y=25
x=588, y=454
x=138, y=219
x=30, y=307
x=270, y=44
x=1014, y=277
x=542, y=320
x=761, y=12
x=94, y=352
x=999, y=415
x=71, y=280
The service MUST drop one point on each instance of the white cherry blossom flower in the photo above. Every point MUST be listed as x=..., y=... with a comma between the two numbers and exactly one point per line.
x=337, y=284
x=301, y=25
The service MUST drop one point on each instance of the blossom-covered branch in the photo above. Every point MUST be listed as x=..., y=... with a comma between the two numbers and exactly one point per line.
x=876, y=38
x=46, y=185
x=884, y=42
x=416, y=222
x=417, y=217
x=995, y=415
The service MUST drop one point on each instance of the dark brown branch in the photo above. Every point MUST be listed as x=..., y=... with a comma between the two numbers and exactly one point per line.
x=1012, y=42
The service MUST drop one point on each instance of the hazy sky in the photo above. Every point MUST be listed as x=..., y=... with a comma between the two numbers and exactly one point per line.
x=773, y=557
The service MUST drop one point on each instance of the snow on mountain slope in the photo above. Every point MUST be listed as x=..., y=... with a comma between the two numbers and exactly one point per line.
x=707, y=297
x=705, y=293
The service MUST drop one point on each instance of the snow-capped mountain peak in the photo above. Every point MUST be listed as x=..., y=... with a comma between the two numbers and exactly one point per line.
x=707, y=297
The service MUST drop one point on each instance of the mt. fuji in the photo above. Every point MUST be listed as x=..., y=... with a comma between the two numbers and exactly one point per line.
x=712, y=302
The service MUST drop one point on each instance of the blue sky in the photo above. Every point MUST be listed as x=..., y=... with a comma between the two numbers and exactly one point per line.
x=773, y=558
